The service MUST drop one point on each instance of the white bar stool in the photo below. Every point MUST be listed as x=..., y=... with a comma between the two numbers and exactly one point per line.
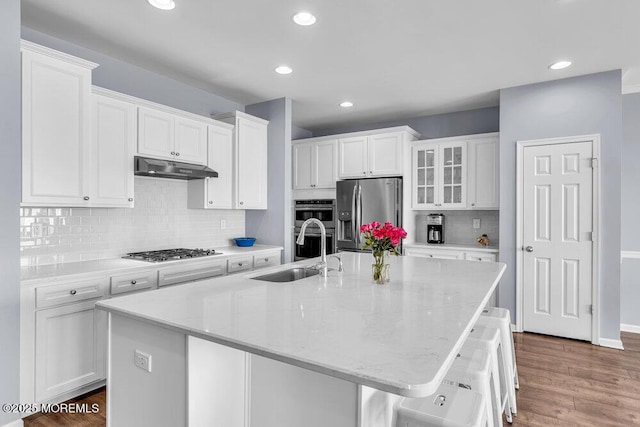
x=490, y=339
x=502, y=322
x=449, y=406
x=473, y=368
x=496, y=316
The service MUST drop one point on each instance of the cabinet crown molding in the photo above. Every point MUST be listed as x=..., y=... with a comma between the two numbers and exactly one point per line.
x=407, y=129
x=458, y=138
x=36, y=48
x=139, y=102
x=232, y=115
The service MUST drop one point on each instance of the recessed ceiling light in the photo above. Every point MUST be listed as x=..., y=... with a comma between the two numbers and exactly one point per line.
x=163, y=4
x=346, y=104
x=560, y=65
x=304, y=18
x=284, y=69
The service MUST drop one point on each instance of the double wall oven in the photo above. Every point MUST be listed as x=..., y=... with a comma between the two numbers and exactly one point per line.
x=325, y=211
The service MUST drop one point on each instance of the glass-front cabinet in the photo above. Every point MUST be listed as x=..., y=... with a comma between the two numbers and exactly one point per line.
x=439, y=175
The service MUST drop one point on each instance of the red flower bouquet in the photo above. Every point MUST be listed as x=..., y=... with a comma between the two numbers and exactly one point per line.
x=380, y=239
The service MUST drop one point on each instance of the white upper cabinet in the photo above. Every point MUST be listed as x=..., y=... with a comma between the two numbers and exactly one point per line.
x=249, y=159
x=56, y=128
x=455, y=173
x=353, y=158
x=484, y=174
x=314, y=164
x=113, y=144
x=215, y=193
x=439, y=175
x=385, y=154
x=169, y=136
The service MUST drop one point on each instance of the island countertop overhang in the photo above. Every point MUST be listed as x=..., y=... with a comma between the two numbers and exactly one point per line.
x=400, y=337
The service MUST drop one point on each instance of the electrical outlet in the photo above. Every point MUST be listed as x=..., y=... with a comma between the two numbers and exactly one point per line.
x=476, y=223
x=142, y=360
x=37, y=229
x=223, y=224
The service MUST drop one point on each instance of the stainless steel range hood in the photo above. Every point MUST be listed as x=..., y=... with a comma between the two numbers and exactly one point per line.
x=169, y=169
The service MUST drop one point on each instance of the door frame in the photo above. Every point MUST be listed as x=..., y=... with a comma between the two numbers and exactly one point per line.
x=594, y=139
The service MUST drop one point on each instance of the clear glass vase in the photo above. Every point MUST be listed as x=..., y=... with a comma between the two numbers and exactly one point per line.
x=380, y=270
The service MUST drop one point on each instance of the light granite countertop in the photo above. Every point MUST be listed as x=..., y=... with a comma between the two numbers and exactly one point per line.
x=400, y=337
x=63, y=271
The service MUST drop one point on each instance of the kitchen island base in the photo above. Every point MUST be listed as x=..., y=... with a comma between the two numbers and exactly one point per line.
x=196, y=383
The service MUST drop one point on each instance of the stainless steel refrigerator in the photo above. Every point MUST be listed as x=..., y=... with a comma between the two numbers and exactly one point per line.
x=361, y=201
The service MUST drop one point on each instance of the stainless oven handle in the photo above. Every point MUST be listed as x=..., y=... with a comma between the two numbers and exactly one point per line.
x=305, y=208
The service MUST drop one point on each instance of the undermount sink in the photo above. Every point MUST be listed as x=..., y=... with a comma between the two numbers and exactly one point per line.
x=290, y=275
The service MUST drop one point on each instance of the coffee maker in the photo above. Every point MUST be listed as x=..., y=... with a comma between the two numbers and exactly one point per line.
x=435, y=228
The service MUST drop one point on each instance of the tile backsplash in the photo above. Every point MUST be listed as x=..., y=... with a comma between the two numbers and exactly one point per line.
x=458, y=226
x=160, y=220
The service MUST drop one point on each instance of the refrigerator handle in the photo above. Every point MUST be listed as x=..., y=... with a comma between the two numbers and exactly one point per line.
x=354, y=216
x=358, y=214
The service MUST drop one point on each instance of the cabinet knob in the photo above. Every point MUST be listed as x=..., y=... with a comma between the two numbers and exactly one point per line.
x=371, y=172
x=86, y=197
x=133, y=282
x=177, y=154
x=266, y=260
x=239, y=264
x=73, y=292
x=473, y=204
x=130, y=199
x=173, y=153
x=364, y=173
x=210, y=202
x=242, y=203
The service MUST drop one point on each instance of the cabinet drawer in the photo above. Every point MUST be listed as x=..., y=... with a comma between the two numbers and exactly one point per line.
x=240, y=264
x=261, y=261
x=480, y=256
x=434, y=253
x=65, y=293
x=173, y=276
x=132, y=282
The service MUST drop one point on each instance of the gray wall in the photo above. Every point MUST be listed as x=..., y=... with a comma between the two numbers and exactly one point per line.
x=273, y=226
x=300, y=133
x=576, y=106
x=9, y=206
x=483, y=120
x=630, y=270
x=135, y=81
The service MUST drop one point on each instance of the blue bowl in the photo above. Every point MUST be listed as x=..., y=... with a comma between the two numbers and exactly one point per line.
x=245, y=241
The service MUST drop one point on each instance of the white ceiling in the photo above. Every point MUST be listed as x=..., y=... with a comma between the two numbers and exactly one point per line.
x=393, y=58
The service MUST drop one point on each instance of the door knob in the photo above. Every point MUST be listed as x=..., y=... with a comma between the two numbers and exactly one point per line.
x=529, y=249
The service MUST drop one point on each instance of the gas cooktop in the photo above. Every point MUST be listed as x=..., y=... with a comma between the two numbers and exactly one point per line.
x=170, y=254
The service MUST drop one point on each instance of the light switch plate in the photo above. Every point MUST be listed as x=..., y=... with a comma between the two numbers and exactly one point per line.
x=223, y=224
x=476, y=223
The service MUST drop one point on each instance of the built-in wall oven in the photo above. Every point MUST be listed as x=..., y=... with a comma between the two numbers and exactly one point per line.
x=325, y=211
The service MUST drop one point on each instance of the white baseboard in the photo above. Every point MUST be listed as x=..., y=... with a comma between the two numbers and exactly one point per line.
x=16, y=423
x=607, y=342
x=630, y=328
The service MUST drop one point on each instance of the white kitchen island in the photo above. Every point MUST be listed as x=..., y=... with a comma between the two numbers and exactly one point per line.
x=335, y=351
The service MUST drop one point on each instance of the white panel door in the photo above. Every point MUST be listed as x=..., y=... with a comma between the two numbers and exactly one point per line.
x=385, y=154
x=252, y=165
x=190, y=141
x=324, y=164
x=56, y=124
x=302, y=154
x=352, y=157
x=557, y=221
x=220, y=189
x=114, y=133
x=155, y=133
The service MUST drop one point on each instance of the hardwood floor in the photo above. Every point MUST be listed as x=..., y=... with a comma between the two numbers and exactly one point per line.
x=562, y=383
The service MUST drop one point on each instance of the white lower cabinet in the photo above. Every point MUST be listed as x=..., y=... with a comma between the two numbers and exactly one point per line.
x=63, y=339
x=70, y=349
x=480, y=256
x=434, y=253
